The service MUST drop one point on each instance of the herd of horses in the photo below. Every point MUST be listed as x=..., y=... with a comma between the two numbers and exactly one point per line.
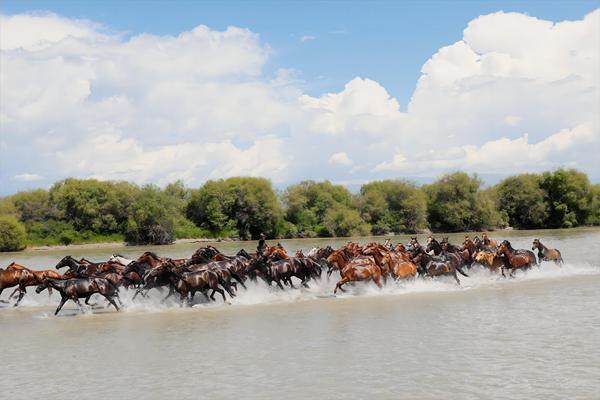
x=209, y=271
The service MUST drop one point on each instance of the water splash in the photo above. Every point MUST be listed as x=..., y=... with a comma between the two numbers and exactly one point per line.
x=258, y=293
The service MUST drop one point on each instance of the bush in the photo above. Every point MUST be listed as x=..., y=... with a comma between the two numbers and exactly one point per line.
x=244, y=207
x=13, y=236
x=523, y=201
x=345, y=222
x=393, y=206
x=455, y=204
x=567, y=197
x=151, y=222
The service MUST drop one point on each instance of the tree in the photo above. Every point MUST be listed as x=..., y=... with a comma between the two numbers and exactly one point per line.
x=523, y=201
x=13, y=236
x=393, y=206
x=594, y=202
x=307, y=204
x=567, y=196
x=455, y=204
x=151, y=221
x=343, y=221
x=96, y=206
x=241, y=206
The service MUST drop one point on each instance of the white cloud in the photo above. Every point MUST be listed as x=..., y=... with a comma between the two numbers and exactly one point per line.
x=340, y=158
x=515, y=94
x=25, y=177
x=307, y=38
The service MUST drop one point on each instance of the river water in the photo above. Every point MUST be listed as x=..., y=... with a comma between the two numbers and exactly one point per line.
x=534, y=336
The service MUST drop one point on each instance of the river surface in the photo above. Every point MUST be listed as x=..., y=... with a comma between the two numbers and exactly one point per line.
x=536, y=336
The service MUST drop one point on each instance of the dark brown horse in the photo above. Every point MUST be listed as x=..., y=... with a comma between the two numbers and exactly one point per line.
x=515, y=259
x=84, y=288
x=546, y=253
x=436, y=266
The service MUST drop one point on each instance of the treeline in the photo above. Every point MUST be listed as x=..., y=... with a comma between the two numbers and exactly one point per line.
x=79, y=211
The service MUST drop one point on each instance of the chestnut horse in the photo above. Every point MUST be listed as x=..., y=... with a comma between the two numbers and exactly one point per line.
x=31, y=278
x=546, y=253
x=359, y=269
x=400, y=267
x=489, y=259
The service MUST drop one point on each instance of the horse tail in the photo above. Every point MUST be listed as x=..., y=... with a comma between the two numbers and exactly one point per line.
x=461, y=272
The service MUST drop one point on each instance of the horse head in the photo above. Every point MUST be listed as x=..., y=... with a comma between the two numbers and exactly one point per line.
x=67, y=261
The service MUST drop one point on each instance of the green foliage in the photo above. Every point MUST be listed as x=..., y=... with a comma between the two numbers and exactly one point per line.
x=12, y=234
x=308, y=203
x=97, y=206
x=244, y=207
x=567, y=196
x=523, y=201
x=455, y=204
x=343, y=221
x=393, y=206
x=594, y=205
x=33, y=205
x=151, y=221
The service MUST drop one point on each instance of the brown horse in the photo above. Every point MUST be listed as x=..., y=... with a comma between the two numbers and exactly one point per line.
x=359, y=269
x=84, y=288
x=400, y=267
x=31, y=278
x=487, y=241
x=515, y=259
x=546, y=253
x=490, y=259
x=378, y=252
x=436, y=266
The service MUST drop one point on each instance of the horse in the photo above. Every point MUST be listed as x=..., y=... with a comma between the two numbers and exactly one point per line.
x=279, y=271
x=119, y=259
x=359, y=269
x=433, y=246
x=399, y=266
x=515, y=259
x=489, y=259
x=487, y=241
x=75, y=289
x=546, y=253
x=13, y=276
x=31, y=278
x=435, y=266
x=188, y=283
x=378, y=252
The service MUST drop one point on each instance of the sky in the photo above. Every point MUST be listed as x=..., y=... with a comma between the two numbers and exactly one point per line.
x=153, y=92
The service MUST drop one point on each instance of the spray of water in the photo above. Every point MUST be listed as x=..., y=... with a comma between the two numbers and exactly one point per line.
x=258, y=293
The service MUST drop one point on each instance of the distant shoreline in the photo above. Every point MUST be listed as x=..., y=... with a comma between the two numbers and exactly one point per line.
x=100, y=245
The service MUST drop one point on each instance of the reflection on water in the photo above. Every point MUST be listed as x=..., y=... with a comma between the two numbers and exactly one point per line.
x=535, y=336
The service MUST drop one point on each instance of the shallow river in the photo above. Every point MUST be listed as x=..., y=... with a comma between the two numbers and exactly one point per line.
x=534, y=336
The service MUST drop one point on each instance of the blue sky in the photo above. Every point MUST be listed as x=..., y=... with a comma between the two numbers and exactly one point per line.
x=345, y=91
x=384, y=40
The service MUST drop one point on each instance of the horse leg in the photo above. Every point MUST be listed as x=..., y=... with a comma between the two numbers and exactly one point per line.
x=21, y=295
x=87, y=301
x=279, y=284
x=291, y=283
x=79, y=304
x=171, y=292
x=13, y=293
x=111, y=301
x=212, y=295
x=63, y=300
x=339, y=285
x=239, y=279
x=222, y=293
x=377, y=280
x=456, y=277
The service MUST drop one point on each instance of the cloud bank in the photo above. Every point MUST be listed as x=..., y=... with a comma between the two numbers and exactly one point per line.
x=515, y=94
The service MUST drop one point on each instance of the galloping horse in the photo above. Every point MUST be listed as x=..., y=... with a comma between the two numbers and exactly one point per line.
x=435, y=266
x=546, y=253
x=400, y=267
x=359, y=269
x=75, y=289
x=31, y=278
x=515, y=259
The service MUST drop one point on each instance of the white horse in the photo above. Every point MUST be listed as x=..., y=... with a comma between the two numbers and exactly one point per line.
x=312, y=252
x=116, y=258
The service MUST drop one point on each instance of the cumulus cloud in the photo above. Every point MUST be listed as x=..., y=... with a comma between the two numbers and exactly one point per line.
x=28, y=177
x=340, y=158
x=516, y=93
